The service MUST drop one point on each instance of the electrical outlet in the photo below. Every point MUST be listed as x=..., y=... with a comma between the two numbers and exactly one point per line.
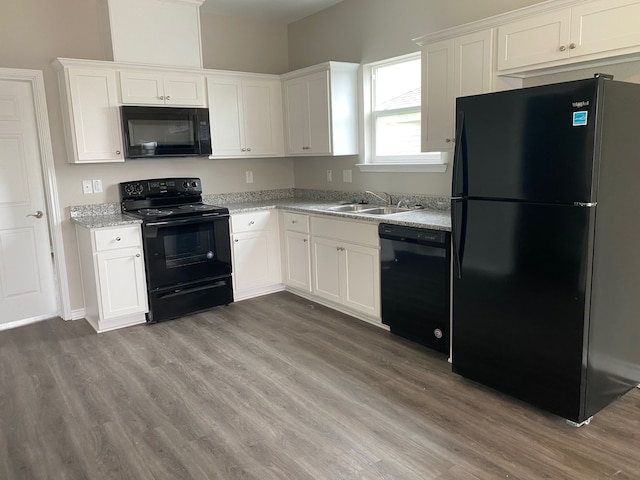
x=97, y=186
x=329, y=176
x=87, y=186
x=347, y=176
x=249, y=175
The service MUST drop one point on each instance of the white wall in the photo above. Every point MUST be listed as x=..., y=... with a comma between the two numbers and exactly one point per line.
x=364, y=31
x=34, y=32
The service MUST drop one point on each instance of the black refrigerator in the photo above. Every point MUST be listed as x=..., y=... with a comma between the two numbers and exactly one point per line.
x=546, y=243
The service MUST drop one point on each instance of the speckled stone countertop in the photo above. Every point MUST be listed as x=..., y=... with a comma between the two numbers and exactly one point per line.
x=422, y=218
x=434, y=214
x=100, y=216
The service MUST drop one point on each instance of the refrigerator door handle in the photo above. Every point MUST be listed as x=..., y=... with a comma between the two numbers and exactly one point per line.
x=458, y=221
x=459, y=160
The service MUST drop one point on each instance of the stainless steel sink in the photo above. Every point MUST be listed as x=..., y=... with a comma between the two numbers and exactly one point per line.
x=353, y=207
x=385, y=210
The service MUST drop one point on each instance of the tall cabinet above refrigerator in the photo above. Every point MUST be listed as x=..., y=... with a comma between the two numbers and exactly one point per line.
x=546, y=243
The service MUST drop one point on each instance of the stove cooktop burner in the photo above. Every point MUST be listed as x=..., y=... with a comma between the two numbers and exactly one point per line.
x=177, y=211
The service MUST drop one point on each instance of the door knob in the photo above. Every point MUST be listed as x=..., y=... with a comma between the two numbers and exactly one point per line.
x=38, y=214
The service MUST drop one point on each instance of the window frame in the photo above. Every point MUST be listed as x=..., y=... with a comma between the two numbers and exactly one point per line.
x=423, y=162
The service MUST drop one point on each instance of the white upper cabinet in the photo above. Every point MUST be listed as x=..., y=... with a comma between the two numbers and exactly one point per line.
x=451, y=68
x=151, y=88
x=321, y=110
x=587, y=31
x=246, y=116
x=90, y=114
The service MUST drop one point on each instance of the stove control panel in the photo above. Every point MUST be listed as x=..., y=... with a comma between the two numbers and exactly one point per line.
x=160, y=186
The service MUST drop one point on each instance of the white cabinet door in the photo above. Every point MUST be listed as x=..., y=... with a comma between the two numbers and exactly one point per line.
x=321, y=109
x=473, y=60
x=297, y=260
x=246, y=117
x=296, y=101
x=450, y=69
x=362, y=279
x=141, y=88
x=437, y=96
x=92, y=119
x=328, y=267
x=253, y=264
x=319, y=126
x=226, y=116
x=539, y=39
x=256, y=253
x=603, y=26
x=121, y=282
x=262, y=102
x=187, y=90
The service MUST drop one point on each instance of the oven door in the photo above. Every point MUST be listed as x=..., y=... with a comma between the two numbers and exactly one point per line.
x=186, y=250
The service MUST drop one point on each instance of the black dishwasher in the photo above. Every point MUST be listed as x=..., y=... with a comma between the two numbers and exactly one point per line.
x=415, y=283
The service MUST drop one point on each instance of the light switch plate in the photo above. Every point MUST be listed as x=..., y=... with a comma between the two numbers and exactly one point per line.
x=329, y=176
x=347, y=176
x=87, y=186
x=97, y=186
x=249, y=176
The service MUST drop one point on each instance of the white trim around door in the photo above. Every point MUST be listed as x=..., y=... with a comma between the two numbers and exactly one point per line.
x=36, y=80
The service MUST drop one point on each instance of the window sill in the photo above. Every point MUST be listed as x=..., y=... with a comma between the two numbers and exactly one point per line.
x=435, y=167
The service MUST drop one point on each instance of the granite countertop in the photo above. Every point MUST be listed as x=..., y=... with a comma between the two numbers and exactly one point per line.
x=108, y=215
x=421, y=218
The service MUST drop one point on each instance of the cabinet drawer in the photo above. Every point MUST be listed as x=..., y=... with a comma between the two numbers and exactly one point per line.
x=112, y=238
x=296, y=222
x=346, y=230
x=249, y=222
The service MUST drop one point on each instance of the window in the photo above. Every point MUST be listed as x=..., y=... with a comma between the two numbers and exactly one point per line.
x=392, y=111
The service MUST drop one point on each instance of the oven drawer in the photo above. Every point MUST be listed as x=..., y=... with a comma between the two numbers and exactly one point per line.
x=252, y=221
x=118, y=237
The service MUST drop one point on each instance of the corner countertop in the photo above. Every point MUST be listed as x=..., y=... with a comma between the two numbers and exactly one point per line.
x=105, y=216
x=420, y=218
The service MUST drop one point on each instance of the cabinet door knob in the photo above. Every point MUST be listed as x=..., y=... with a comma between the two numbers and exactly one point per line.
x=248, y=149
x=294, y=221
x=117, y=152
x=562, y=48
x=243, y=149
x=236, y=240
x=252, y=222
x=161, y=97
x=572, y=46
x=304, y=240
x=118, y=239
x=167, y=97
x=138, y=255
x=447, y=140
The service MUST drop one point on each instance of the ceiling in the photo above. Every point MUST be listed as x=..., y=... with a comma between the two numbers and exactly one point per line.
x=283, y=11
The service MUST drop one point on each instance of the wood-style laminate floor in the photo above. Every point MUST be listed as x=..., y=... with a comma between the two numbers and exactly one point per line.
x=281, y=388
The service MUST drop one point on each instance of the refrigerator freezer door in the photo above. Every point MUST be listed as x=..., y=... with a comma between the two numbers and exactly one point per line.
x=519, y=301
x=534, y=144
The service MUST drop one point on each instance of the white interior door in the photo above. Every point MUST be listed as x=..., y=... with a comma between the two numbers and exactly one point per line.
x=27, y=286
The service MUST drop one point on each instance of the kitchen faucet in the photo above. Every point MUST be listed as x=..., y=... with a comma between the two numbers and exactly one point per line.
x=386, y=200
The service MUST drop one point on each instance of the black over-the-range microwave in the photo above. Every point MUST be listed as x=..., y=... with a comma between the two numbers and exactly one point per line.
x=165, y=131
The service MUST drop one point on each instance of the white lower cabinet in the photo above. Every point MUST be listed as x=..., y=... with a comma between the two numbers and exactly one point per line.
x=113, y=277
x=256, y=254
x=296, y=252
x=345, y=261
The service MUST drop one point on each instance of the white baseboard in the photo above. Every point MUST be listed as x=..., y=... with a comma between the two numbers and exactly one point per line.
x=22, y=323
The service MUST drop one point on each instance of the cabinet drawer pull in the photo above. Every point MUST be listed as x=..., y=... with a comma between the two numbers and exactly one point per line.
x=118, y=239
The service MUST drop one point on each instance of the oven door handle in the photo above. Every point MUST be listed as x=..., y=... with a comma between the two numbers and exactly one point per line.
x=197, y=219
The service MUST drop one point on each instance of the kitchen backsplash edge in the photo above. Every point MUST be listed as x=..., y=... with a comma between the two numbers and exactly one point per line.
x=324, y=196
